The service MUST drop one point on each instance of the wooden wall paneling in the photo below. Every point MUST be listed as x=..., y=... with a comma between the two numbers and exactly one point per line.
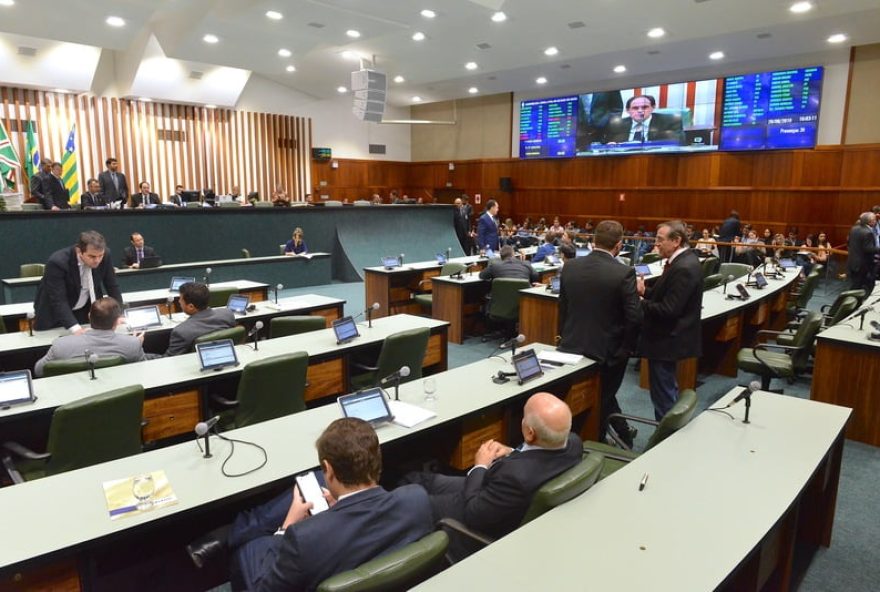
x=820, y=169
x=775, y=169
x=860, y=168
x=662, y=171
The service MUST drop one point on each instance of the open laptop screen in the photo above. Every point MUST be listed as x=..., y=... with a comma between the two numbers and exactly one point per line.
x=345, y=329
x=16, y=388
x=370, y=405
x=642, y=269
x=142, y=317
x=238, y=303
x=390, y=262
x=214, y=355
x=527, y=366
x=178, y=281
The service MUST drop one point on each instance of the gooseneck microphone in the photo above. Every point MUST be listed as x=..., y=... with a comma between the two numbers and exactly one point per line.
x=170, y=301
x=512, y=343
x=207, y=277
x=861, y=315
x=203, y=429
x=30, y=322
x=400, y=259
x=369, y=311
x=729, y=278
x=747, y=395
x=255, y=333
x=395, y=377
x=278, y=288
x=92, y=360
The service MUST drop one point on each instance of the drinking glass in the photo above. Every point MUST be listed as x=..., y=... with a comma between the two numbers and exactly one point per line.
x=430, y=387
x=143, y=488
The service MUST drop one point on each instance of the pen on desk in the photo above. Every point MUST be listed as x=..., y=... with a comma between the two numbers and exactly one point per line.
x=643, y=482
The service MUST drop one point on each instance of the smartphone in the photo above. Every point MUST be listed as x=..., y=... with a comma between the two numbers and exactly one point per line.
x=310, y=489
x=744, y=294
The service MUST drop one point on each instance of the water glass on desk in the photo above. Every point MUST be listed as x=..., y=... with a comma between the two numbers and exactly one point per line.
x=143, y=489
x=429, y=385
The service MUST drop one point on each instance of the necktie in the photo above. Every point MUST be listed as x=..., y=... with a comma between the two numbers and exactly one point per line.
x=638, y=133
x=115, y=181
x=87, y=287
x=140, y=255
x=666, y=265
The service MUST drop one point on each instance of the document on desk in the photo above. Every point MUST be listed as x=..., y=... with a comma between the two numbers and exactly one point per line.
x=557, y=357
x=153, y=488
x=408, y=415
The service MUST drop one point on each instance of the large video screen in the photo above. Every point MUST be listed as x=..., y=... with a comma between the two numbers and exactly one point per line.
x=547, y=127
x=772, y=110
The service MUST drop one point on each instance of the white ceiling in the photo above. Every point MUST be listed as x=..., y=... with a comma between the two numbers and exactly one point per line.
x=614, y=32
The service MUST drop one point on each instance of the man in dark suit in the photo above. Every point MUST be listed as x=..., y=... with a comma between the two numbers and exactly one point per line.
x=487, y=227
x=193, y=299
x=113, y=183
x=36, y=180
x=74, y=278
x=55, y=195
x=495, y=494
x=862, y=247
x=730, y=228
x=600, y=315
x=462, y=224
x=145, y=197
x=177, y=199
x=672, y=329
x=364, y=521
x=643, y=125
x=134, y=254
x=93, y=198
x=509, y=266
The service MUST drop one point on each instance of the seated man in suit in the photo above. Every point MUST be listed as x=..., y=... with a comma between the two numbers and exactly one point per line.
x=145, y=197
x=278, y=546
x=133, y=255
x=194, y=298
x=93, y=198
x=643, y=125
x=177, y=199
x=509, y=267
x=547, y=248
x=495, y=494
x=55, y=195
x=101, y=339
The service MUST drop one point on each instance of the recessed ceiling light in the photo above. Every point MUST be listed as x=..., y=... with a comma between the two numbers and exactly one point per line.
x=209, y=106
x=800, y=7
x=620, y=69
x=551, y=51
x=540, y=80
x=418, y=36
x=428, y=13
x=7, y=2
x=471, y=66
x=341, y=89
x=837, y=38
x=274, y=15
x=716, y=55
x=115, y=21
x=499, y=17
x=353, y=33
x=656, y=33
x=284, y=53
x=473, y=90
x=209, y=38
x=398, y=79
x=62, y=91
x=291, y=68
x=417, y=99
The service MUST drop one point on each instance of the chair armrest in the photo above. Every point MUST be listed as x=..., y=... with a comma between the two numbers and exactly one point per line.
x=224, y=402
x=23, y=452
x=769, y=332
x=635, y=418
x=824, y=307
x=767, y=346
x=365, y=367
x=427, y=281
x=455, y=525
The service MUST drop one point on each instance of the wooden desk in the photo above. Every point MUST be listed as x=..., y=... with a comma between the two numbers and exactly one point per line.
x=727, y=507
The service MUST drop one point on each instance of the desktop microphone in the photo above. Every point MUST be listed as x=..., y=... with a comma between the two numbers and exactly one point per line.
x=369, y=311
x=396, y=376
x=278, y=288
x=512, y=343
x=861, y=314
x=92, y=361
x=207, y=277
x=448, y=253
x=747, y=395
x=170, y=306
x=255, y=333
x=729, y=278
x=400, y=259
x=30, y=322
x=203, y=428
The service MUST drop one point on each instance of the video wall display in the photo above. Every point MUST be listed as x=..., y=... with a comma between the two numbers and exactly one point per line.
x=750, y=112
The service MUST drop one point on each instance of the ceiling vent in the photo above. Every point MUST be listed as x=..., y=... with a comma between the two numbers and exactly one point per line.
x=577, y=25
x=317, y=25
x=27, y=51
x=483, y=45
x=196, y=75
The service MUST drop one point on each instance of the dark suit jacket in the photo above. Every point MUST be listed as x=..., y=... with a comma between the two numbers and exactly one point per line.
x=176, y=200
x=599, y=309
x=496, y=499
x=129, y=256
x=509, y=268
x=729, y=229
x=487, y=232
x=662, y=127
x=36, y=185
x=109, y=190
x=92, y=200
x=55, y=193
x=138, y=198
x=461, y=222
x=60, y=287
x=861, y=249
x=355, y=530
x=672, y=329
x=205, y=321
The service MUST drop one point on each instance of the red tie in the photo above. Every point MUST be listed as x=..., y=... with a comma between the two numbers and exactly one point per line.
x=666, y=265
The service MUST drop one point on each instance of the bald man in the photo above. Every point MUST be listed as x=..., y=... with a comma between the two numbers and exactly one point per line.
x=497, y=491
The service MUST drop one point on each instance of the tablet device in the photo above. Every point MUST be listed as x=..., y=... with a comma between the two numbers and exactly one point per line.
x=441, y=259
x=371, y=405
x=642, y=269
x=150, y=262
x=16, y=388
x=552, y=260
x=744, y=294
x=141, y=318
x=178, y=281
x=527, y=366
x=238, y=303
x=787, y=264
x=390, y=262
x=345, y=330
x=214, y=355
x=554, y=284
x=760, y=280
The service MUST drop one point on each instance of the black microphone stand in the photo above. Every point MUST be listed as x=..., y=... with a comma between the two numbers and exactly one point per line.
x=748, y=406
x=207, y=444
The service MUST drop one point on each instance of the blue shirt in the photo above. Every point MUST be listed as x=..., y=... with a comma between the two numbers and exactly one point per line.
x=296, y=250
x=543, y=251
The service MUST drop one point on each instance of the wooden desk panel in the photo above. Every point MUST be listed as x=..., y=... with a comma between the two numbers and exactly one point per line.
x=326, y=379
x=171, y=415
x=538, y=318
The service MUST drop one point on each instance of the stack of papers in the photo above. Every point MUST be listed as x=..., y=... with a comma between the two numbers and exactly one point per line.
x=408, y=415
x=558, y=357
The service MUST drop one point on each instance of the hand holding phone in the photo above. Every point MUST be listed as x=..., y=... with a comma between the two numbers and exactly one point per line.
x=311, y=492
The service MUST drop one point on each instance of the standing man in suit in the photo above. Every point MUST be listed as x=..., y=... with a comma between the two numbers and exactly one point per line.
x=600, y=315
x=145, y=197
x=730, y=229
x=643, y=125
x=36, y=181
x=194, y=298
x=113, y=183
x=278, y=546
x=93, y=198
x=134, y=254
x=487, y=227
x=508, y=266
x=74, y=278
x=862, y=247
x=55, y=195
x=672, y=329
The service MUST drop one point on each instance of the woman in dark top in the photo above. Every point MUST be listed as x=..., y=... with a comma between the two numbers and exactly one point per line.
x=296, y=245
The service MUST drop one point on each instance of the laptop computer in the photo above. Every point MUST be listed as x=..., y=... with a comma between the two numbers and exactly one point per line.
x=441, y=259
x=390, y=262
x=214, y=355
x=527, y=366
x=370, y=405
x=151, y=262
x=238, y=303
x=178, y=281
x=787, y=264
x=16, y=388
x=141, y=318
x=642, y=269
x=345, y=330
x=552, y=260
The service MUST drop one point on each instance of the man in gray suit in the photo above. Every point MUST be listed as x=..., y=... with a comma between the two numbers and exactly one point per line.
x=101, y=339
x=194, y=299
x=509, y=267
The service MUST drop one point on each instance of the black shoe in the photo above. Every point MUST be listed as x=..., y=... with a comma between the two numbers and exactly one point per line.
x=208, y=548
x=626, y=433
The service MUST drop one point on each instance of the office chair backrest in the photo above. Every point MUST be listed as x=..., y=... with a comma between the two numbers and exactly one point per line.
x=859, y=295
x=676, y=418
x=737, y=270
x=295, y=324
x=31, y=270
x=712, y=281
x=846, y=308
x=272, y=387
x=504, y=298
x=399, y=570
x=711, y=265
x=220, y=296
x=96, y=429
x=406, y=348
x=236, y=334
x=807, y=290
x=649, y=258
x=245, y=253
x=59, y=367
x=804, y=338
x=452, y=267
x=565, y=486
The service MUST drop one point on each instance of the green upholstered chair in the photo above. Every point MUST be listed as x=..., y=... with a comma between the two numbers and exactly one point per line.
x=92, y=430
x=220, y=296
x=424, y=300
x=406, y=348
x=31, y=207
x=801, y=297
x=712, y=281
x=398, y=570
x=503, y=306
x=737, y=270
x=59, y=367
x=281, y=249
x=711, y=265
x=832, y=312
x=268, y=388
x=31, y=270
x=236, y=334
x=843, y=307
x=675, y=419
x=245, y=254
x=295, y=324
x=787, y=363
x=649, y=258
